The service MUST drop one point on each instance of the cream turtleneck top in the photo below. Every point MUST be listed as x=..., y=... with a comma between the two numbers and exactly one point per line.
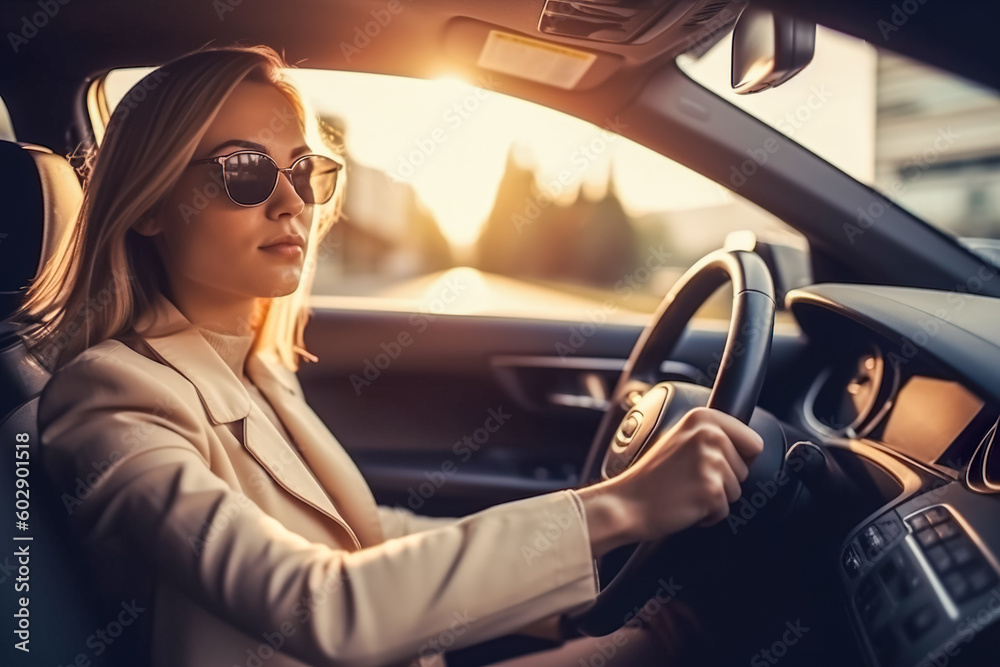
x=234, y=348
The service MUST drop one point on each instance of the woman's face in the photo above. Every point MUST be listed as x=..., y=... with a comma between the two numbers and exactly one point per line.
x=211, y=246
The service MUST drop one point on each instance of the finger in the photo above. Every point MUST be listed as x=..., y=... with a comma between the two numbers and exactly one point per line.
x=719, y=507
x=736, y=463
x=747, y=442
x=715, y=515
x=731, y=484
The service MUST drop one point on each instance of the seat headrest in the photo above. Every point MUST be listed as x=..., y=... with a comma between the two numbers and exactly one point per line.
x=43, y=196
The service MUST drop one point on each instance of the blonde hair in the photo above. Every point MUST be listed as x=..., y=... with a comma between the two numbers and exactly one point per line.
x=107, y=277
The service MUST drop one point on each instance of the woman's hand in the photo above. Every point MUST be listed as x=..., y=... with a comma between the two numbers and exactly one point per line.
x=689, y=475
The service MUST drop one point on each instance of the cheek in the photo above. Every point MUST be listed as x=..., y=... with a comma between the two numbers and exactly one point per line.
x=213, y=243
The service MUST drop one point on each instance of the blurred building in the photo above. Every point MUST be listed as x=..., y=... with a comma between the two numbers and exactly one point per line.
x=937, y=147
x=384, y=235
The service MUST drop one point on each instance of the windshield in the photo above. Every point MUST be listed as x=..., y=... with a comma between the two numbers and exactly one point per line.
x=926, y=139
x=530, y=211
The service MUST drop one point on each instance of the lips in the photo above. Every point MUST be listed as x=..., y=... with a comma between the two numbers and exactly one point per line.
x=287, y=239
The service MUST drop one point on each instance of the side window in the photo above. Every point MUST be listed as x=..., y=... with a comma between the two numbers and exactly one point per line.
x=462, y=199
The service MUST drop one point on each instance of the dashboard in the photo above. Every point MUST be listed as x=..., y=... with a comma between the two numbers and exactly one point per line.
x=869, y=391
x=904, y=397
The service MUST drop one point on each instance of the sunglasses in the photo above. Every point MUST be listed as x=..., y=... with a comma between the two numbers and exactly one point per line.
x=251, y=177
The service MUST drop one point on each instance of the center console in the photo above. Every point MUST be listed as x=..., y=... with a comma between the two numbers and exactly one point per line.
x=921, y=581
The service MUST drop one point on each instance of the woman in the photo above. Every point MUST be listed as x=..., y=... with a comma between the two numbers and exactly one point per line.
x=198, y=480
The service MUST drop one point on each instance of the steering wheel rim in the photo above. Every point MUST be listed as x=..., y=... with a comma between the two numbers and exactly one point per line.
x=735, y=390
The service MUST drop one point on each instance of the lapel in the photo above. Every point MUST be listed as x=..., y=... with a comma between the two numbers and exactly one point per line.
x=331, y=472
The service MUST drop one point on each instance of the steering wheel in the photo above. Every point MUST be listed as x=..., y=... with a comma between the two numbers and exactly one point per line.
x=642, y=409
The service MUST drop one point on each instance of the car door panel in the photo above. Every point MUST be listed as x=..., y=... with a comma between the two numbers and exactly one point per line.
x=457, y=413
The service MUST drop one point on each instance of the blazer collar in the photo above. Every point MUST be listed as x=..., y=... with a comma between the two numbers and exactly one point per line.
x=331, y=472
x=175, y=338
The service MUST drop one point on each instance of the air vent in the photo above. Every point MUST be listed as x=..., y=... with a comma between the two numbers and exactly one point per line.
x=705, y=13
x=601, y=20
x=983, y=472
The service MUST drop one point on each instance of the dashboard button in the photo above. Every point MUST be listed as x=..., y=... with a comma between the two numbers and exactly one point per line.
x=947, y=530
x=928, y=538
x=963, y=551
x=918, y=522
x=899, y=577
x=891, y=578
x=981, y=577
x=940, y=559
x=872, y=541
x=937, y=515
x=629, y=426
x=851, y=563
x=891, y=527
x=958, y=586
x=910, y=578
x=920, y=621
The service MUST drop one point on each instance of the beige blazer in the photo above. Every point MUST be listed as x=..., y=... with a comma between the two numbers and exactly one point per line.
x=193, y=509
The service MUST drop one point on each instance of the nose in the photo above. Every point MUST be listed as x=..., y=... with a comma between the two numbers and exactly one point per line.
x=285, y=199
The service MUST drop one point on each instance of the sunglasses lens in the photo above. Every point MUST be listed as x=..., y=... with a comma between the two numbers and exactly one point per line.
x=250, y=177
x=315, y=179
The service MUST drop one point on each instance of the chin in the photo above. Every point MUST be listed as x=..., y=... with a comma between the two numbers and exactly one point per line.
x=283, y=290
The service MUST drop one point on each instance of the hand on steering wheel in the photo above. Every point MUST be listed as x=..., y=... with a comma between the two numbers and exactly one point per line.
x=696, y=448
x=693, y=470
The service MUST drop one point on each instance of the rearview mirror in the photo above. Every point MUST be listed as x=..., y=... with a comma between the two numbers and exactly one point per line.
x=769, y=49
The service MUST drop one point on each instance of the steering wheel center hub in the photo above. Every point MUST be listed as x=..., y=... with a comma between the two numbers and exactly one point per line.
x=633, y=435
